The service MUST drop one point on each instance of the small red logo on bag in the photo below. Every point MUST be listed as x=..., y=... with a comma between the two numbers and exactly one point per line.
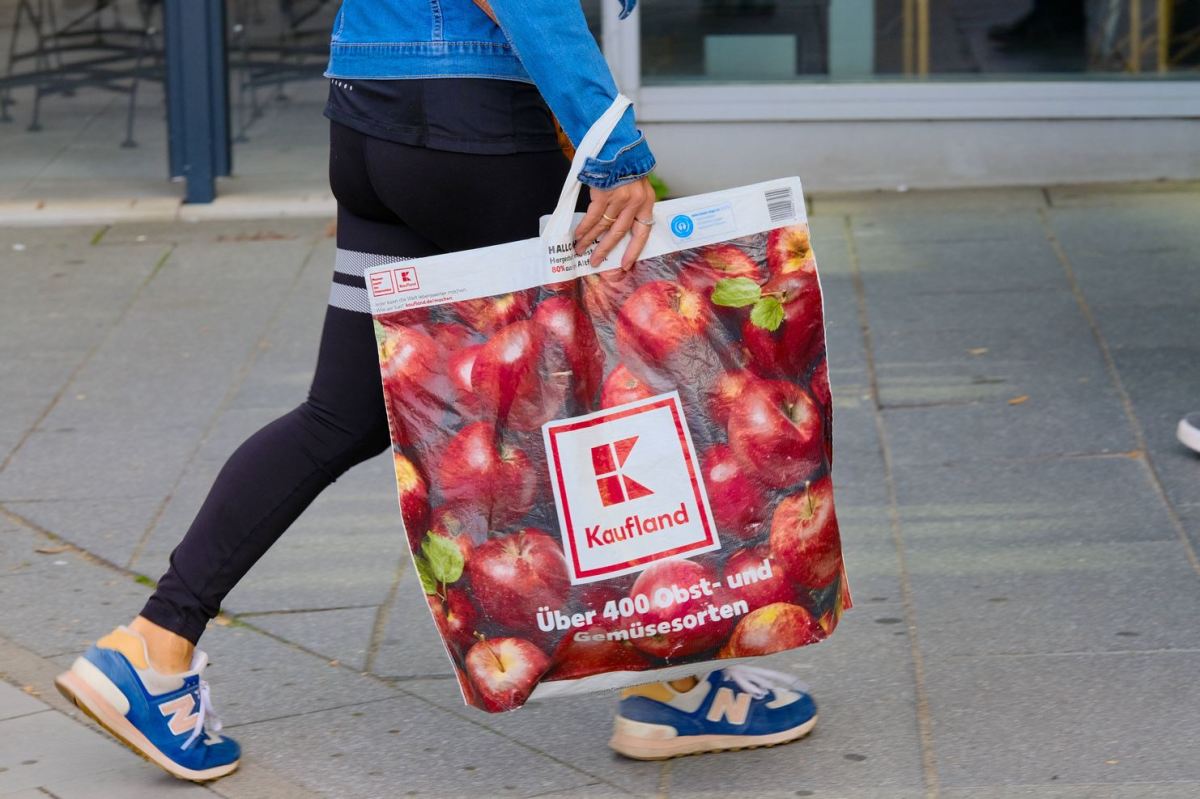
x=623, y=525
x=393, y=281
x=614, y=486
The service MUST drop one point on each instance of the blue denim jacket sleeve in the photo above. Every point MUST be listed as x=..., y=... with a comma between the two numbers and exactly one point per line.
x=558, y=51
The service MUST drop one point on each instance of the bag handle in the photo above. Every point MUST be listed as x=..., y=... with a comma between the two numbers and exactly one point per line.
x=558, y=229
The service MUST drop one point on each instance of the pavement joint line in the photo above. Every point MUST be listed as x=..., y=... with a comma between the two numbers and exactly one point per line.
x=924, y=716
x=1114, y=374
x=231, y=392
x=100, y=341
x=664, y=780
x=251, y=614
x=383, y=614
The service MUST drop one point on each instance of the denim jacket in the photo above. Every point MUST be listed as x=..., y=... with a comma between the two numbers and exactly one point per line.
x=546, y=42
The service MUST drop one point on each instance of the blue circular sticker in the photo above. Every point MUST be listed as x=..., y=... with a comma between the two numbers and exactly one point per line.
x=682, y=226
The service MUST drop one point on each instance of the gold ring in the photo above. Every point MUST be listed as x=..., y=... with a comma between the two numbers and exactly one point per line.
x=608, y=218
x=647, y=222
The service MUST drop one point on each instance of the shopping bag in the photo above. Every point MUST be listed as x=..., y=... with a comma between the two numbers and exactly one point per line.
x=606, y=476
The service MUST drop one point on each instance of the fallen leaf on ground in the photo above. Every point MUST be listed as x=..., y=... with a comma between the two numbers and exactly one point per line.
x=977, y=350
x=1019, y=400
x=52, y=550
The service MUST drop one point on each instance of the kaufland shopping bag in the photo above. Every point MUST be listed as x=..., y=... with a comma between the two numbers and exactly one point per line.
x=612, y=477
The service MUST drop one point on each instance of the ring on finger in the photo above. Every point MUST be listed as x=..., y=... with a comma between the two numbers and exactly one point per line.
x=608, y=218
x=647, y=222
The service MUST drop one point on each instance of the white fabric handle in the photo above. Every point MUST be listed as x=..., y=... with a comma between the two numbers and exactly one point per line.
x=559, y=228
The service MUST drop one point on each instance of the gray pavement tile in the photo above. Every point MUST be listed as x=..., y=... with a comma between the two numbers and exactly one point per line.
x=61, y=603
x=979, y=599
x=1027, y=720
x=402, y=746
x=983, y=503
x=257, y=678
x=137, y=780
x=1056, y=790
x=85, y=463
x=48, y=748
x=1046, y=425
x=232, y=232
x=109, y=528
x=342, y=635
x=968, y=312
x=15, y=702
x=1155, y=197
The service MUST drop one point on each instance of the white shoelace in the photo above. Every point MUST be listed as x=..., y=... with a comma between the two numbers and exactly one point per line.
x=206, y=717
x=758, y=682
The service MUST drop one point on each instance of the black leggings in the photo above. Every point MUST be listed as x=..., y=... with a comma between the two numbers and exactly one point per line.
x=394, y=201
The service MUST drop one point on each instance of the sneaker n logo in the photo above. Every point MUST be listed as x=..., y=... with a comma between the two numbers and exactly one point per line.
x=729, y=706
x=182, y=712
x=614, y=486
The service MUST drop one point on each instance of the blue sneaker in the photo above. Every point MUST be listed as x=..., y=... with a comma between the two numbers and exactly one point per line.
x=166, y=718
x=739, y=707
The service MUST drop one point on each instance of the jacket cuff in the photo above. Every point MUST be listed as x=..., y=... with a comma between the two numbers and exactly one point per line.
x=631, y=163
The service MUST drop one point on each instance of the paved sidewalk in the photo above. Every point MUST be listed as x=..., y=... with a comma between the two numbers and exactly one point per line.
x=1020, y=525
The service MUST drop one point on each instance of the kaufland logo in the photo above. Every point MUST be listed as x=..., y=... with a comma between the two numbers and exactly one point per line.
x=613, y=485
x=627, y=488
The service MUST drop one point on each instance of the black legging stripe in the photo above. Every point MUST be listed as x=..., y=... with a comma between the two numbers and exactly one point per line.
x=394, y=201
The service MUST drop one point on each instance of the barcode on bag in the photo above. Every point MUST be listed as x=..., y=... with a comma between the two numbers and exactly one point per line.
x=780, y=204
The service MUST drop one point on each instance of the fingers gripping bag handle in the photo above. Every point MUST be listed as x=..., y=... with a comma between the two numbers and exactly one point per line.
x=558, y=230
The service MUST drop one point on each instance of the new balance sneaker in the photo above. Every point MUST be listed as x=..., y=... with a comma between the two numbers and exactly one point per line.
x=166, y=718
x=739, y=707
x=1189, y=431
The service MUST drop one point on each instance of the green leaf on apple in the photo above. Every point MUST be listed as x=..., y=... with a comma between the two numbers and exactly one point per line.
x=736, y=292
x=444, y=557
x=428, y=583
x=767, y=313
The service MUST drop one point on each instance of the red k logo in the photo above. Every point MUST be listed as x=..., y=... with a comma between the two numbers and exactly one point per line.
x=616, y=487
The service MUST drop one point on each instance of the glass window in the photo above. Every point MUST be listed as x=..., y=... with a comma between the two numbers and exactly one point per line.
x=790, y=40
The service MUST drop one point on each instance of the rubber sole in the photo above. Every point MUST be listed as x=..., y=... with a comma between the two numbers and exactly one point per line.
x=639, y=747
x=87, y=699
x=1188, y=435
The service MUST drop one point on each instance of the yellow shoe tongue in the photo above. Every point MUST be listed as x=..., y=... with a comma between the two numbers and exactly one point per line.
x=129, y=644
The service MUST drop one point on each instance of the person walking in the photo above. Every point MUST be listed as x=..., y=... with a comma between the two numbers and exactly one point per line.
x=442, y=138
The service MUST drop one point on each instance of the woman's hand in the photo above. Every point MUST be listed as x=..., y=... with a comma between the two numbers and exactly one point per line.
x=613, y=213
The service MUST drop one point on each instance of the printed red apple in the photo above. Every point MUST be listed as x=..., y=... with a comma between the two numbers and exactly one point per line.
x=596, y=596
x=804, y=536
x=789, y=250
x=725, y=392
x=410, y=363
x=718, y=262
x=515, y=575
x=662, y=579
x=504, y=671
x=605, y=292
x=455, y=617
x=585, y=652
x=752, y=575
x=488, y=314
x=736, y=500
x=477, y=468
x=450, y=337
x=574, y=346
x=414, y=499
x=791, y=347
x=776, y=432
x=773, y=628
x=460, y=366
x=509, y=381
x=660, y=319
x=622, y=386
x=818, y=387
x=462, y=523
